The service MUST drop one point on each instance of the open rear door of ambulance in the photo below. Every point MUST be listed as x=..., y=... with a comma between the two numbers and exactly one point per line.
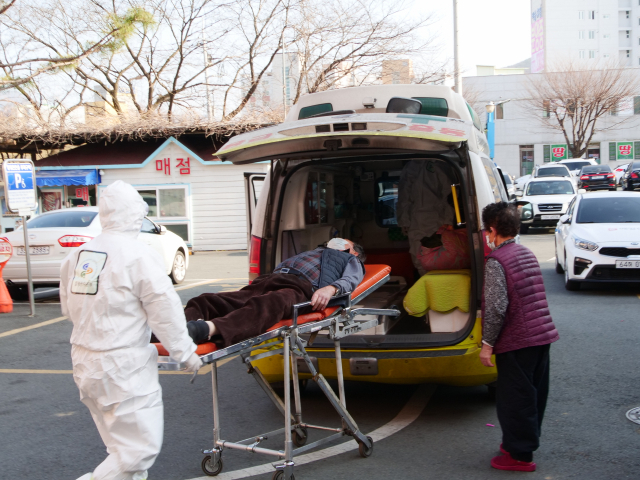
x=253, y=183
x=348, y=135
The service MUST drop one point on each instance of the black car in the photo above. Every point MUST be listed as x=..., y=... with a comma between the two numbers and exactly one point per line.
x=597, y=177
x=631, y=178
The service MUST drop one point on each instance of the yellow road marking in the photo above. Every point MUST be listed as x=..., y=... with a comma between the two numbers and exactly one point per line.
x=31, y=327
x=197, y=284
x=203, y=371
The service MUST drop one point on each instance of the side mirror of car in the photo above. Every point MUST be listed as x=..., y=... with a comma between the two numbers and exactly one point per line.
x=519, y=193
x=162, y=229
x=582, y=190
x=565, y=219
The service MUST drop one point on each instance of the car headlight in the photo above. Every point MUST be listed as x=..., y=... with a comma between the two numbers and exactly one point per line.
x=583, y=244
x=526, y=212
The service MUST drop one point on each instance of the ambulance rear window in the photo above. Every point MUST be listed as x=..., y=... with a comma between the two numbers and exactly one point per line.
x=306, y=112
x=437, y=107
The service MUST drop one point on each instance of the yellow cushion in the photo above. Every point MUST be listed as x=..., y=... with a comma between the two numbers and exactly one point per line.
x=441, y=291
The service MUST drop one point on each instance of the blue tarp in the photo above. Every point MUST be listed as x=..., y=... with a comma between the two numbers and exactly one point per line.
x=53, y=178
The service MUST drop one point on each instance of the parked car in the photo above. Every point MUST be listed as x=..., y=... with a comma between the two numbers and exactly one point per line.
x=522, y=181
x=619, y=172
x=598, y=240
x=53, y=235
x=548, y=199
x=597, y=177
x=511, y=185
x=575, y=164
x=631, y=178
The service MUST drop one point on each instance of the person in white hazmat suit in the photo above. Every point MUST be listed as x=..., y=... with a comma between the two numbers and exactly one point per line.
x=422, y=206
x=115, y=291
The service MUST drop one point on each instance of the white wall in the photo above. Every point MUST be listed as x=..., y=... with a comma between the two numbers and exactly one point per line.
x=216, y=203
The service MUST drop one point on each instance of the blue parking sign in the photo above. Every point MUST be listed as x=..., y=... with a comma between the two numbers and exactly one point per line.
x=20, y=185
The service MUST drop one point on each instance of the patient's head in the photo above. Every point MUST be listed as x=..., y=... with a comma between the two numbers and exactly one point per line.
x=345, y=245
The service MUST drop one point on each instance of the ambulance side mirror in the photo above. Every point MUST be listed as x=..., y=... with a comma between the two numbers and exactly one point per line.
x=162, y=229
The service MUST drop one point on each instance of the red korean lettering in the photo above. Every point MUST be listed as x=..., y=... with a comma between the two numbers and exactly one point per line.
x=167, y=166
x=452, y=131
x=184, y=166
x=422, y=128
x=159, y=166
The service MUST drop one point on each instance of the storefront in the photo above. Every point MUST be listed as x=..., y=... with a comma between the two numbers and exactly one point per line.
x=187, y=189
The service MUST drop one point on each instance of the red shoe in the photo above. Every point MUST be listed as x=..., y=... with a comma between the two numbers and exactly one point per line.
x=506, y=462
x=502, y=450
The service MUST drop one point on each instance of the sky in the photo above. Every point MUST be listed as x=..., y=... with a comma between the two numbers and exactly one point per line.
x=492, y=32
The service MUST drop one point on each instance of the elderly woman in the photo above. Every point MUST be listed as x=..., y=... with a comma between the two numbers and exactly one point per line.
x=518, y=329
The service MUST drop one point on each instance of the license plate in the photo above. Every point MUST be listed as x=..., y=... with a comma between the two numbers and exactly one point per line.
x=597, y=177
x=550, y=217
x=627, y=263
x=34, y=250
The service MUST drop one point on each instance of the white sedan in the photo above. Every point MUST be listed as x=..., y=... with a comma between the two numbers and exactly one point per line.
x=53, y=235
x=598, y=240
x=544, y=200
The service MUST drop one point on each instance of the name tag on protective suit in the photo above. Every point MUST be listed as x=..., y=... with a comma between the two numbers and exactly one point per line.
x=88, y=269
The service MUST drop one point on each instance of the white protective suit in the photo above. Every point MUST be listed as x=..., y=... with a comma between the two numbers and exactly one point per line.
x=422, y=206
x=115, y=291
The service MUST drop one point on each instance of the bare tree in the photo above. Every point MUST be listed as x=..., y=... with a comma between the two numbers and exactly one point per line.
x=41, y=37
x=338, y=40
x=574, y=98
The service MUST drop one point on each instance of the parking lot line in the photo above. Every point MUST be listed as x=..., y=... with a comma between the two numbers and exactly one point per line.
x=409, y=413
x=203, y=282
x=31, y=327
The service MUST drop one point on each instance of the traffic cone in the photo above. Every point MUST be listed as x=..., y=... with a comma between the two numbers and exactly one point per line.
x=6, y=304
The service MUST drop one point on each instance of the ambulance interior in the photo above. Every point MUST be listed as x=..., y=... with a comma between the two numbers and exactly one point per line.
x=359, y=201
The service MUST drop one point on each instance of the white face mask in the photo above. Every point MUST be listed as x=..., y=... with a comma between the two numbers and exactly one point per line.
x=491, y=245
x=338, y=244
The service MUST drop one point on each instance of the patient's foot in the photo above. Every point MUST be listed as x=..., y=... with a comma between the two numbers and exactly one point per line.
x=198, y=331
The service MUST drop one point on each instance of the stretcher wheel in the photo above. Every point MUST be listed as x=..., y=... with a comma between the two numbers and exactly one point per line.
x=300, y=440
x=364, y=450
x=209, y=469
x=279, y=475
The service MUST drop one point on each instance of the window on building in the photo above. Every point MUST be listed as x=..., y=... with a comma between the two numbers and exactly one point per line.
x=582, y=54
x=546, y=108
x=636, y=105
x=592, y=34
x=581, y=15
x=628, y=53
x=628, y=32
x=168, y=204
x=581, y=35
x=592, y=14
x=606, y=55
x=500, y=112
x=592, y=54
x=627, y=14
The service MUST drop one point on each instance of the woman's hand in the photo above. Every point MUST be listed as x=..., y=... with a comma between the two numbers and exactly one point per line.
x=321, y=297
x=485, y=355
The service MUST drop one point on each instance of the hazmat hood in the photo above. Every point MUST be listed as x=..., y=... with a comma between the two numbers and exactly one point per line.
x=350, y=134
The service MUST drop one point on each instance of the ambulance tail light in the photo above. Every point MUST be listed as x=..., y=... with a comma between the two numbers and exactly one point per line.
x=254, y=257
x=73, y=240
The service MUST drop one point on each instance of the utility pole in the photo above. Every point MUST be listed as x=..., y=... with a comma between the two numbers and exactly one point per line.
x=456, y=51
x=207, y=64
x=284, y=84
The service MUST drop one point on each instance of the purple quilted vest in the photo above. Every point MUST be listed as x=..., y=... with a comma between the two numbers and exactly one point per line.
x=527, y=322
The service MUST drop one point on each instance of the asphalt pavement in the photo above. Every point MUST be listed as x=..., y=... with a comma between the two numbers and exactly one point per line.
x=420, y=431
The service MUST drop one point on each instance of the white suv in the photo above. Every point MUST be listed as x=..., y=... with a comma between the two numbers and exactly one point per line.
x=548, y=199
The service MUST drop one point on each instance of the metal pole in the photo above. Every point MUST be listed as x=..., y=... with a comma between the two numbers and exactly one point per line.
x=28, y=257
x=456, y=51
x=491, y=133
x=284, y=88
x=206, y=77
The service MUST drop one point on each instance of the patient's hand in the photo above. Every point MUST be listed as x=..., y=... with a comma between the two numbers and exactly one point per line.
x=321, y=297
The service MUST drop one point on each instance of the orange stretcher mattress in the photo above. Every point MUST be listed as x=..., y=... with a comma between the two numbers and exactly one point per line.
x=373, y=274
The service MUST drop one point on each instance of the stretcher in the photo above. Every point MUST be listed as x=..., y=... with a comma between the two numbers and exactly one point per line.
x=290, y=338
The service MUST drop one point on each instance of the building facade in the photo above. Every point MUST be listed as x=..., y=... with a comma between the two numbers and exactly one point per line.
x=523, y=138
x=188, y=190
x=589, y=30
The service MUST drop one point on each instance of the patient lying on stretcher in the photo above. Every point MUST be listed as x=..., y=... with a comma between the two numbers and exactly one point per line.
x=227, y=318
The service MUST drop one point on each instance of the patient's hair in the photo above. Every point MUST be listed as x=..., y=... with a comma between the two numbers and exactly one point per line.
x=361, y=255
x=503, y=217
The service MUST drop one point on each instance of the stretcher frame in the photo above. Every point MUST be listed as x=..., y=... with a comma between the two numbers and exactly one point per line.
x=339, y=324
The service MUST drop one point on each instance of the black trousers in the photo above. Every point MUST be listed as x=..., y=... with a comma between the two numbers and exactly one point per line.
x=521, y=398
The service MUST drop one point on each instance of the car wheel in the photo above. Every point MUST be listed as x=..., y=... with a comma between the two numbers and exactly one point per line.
x=559, y=268
x=18, y=292
x=524, y=229
x=179, y=268
x=570, y=285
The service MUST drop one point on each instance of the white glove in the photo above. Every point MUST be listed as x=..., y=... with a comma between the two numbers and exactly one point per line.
x=194, y=363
